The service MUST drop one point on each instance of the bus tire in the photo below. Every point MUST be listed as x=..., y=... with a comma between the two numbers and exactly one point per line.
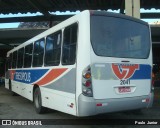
x=38, y=101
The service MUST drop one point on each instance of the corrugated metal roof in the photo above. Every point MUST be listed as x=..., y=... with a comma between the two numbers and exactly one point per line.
x=45, y=6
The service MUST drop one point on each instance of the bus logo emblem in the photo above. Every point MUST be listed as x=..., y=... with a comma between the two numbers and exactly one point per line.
x=124, y=71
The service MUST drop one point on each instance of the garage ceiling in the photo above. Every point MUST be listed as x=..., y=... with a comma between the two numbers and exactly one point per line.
x=47, y=6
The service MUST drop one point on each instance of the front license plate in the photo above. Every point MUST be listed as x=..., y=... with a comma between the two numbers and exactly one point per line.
x=124, y=89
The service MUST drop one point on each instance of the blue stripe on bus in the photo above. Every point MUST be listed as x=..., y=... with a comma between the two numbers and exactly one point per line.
x=29, y=76
x=144, y=72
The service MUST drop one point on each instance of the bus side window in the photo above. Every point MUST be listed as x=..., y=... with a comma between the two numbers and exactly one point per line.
x=28, y=56
x=53, y=49
x=20, y=58
x=14, y=59
x=69, y=45
x=38, y=53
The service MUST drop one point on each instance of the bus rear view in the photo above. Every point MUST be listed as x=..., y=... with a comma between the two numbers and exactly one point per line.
x=119, y=75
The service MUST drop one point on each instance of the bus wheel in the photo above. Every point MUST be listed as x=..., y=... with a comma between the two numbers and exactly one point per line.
x=38, y=101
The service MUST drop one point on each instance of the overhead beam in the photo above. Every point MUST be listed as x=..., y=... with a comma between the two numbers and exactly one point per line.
x=154, y=15
x=8, y=45
x=62, y=18
x=34, y=18
x=155, y=42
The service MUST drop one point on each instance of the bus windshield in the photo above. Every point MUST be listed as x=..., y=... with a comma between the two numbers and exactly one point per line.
x=118, y=37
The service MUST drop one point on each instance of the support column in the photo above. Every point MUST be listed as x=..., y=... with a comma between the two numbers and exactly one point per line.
x=132, y=8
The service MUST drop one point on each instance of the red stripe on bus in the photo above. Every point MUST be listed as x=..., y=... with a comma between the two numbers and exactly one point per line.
x=12, y=73
x=53, y=74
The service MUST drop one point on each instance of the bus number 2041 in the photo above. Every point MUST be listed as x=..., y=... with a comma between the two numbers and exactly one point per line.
x=124, y=82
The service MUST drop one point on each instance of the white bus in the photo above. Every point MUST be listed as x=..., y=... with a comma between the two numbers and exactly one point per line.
x=94, y=62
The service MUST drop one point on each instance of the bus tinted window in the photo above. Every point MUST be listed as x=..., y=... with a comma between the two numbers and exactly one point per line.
x=38, y=53
x=116, y=37
x=20, y=58
x=53, y=49
x=14, y=59
x=69, y=45
x=28, y=56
